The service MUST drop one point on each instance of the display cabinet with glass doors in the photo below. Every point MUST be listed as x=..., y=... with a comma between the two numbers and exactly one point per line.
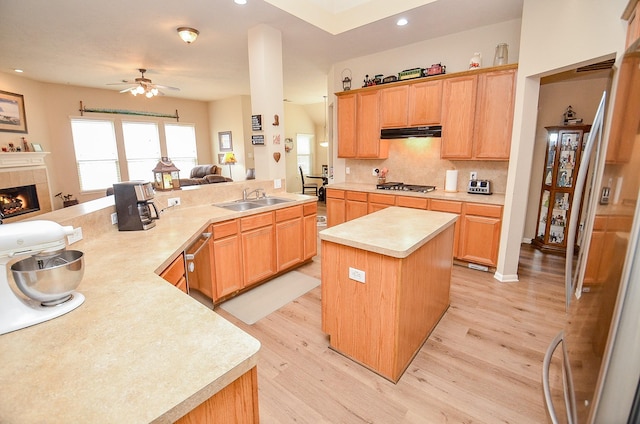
x=562, y=161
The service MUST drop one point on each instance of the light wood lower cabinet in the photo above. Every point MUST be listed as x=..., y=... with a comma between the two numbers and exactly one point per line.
x=310, y=224
x=258, y=257
x=227, y=258
x=336, y=207
x=289, y=237
x=174, y=274
x=480, y=233
x=199, y=268
x=235, y=404
x=355, y=205
x=451, y=207
x=380, y=201
x=606, y=230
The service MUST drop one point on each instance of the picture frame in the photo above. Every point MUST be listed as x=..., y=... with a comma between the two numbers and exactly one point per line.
x=12, y=114
x=36, y=147
x=221, y=158
x=226, y=144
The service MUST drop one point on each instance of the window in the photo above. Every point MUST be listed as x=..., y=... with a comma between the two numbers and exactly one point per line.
x=303, y=142
x=181, y=146
x=96, y=153
x=142, y=149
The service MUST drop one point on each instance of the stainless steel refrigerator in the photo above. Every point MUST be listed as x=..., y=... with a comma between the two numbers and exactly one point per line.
x=600, y=343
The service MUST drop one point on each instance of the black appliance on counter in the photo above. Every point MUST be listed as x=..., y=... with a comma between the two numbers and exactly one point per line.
x=134, y=205
x=406, y=187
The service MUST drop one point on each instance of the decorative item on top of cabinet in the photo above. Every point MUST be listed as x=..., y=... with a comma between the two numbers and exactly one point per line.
x=562, y=162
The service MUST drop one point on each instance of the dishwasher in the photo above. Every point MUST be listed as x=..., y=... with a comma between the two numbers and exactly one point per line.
x=197, y=265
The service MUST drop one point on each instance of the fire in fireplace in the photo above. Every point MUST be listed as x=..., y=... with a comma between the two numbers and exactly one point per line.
x=16, y=201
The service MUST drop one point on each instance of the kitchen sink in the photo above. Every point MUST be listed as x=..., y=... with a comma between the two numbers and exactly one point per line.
x=245, y=205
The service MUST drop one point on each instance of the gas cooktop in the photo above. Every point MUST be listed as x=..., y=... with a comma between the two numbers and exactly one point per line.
x=406, y=187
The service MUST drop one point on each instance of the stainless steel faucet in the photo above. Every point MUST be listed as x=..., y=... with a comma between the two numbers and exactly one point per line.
x=259, y=192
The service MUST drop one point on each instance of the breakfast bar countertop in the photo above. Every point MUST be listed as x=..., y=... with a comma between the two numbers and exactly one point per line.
x=393, y=231
x=138, y=350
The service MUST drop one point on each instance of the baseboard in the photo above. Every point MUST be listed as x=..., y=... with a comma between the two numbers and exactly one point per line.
x=526, y=240
x=512, y=278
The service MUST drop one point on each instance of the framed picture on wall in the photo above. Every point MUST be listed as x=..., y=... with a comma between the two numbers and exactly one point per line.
x=12, y=116
x=226, y=145
x=221, y=158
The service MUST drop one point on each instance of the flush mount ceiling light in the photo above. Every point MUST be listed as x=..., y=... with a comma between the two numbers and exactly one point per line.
x=402, y=22
x=188, y=34
x=240, y=1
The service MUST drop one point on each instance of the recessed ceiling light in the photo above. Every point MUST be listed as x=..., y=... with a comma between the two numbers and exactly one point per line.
x=240, y=1
x=19, y=70
x=402, y=22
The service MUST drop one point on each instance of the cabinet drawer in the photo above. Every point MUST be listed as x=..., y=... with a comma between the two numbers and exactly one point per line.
x=493, y=211
x=619, y=223
x=600, y=223
x=310, y=208
x=384, y=199
x=356, y=195
x=288, y=213
x=256, y=221
x=446, y=206
x=224, y=229
x=335, y=194
x=412, y=202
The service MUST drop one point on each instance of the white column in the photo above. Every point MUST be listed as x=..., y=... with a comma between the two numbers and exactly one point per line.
x=265, y=73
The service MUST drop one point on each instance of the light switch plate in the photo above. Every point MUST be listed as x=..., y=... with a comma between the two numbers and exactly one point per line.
x=114, y=218
x=277, y=183
x=76, y=236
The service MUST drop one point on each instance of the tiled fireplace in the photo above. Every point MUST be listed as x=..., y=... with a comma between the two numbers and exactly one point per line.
x=24, y=185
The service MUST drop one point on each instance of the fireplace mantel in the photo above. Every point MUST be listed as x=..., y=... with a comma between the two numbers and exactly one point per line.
x=19, y=159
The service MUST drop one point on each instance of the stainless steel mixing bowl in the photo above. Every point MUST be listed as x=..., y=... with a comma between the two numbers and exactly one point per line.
x=49, y=279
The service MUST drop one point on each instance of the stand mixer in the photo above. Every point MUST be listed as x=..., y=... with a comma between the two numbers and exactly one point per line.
x=47, y=278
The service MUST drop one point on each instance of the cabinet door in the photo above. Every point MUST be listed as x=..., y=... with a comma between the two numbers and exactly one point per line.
x=227, y=260
x=451, y=207
x=494, y=115
x=175, y=274
x=258, y=257
x=310, y=236
x=335, y=207
x=394, y=103
x=380, y=201
x=480, y=235
x=412, y=202
x=458, y=114
x=425, y=103
x=355, y=209
x=369, y=144
x=347, y=126
x=289, y=243
x=201, y=275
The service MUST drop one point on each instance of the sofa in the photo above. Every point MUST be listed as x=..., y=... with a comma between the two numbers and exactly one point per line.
x=204, y=174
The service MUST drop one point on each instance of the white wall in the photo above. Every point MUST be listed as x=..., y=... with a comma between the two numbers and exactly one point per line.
x=227, y=115
x=556, y=36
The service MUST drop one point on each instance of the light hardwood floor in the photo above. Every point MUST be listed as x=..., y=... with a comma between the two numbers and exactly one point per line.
x=481, y=364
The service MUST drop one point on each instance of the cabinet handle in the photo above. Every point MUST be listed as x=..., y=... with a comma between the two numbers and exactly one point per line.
x=581, y=178
x=192, y=256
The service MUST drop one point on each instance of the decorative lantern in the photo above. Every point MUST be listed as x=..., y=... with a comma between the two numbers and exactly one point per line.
x=346, y=80
x=166, y=175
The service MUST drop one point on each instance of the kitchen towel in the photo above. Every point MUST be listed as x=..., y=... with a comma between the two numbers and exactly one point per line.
x=451, y=180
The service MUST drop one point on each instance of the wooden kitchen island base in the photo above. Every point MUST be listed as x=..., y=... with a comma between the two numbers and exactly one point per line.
x=383, y=322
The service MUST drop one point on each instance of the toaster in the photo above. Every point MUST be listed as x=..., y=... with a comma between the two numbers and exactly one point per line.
x=479, y=187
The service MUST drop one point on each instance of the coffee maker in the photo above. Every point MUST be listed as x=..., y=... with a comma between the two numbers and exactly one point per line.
x=134, y=205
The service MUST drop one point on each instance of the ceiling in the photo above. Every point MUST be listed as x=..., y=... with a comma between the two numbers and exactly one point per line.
x=94, y=43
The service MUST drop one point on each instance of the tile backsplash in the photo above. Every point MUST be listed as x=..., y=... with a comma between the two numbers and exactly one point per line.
x=417, y=161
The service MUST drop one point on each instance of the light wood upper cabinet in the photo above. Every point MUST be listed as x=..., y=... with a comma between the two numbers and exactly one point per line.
x=477, y=115
x=494, y=115
x=425, y=103
x=458, y=116
x=347, y=125
x=625, y=121
x=630, y=14
x=394, y=106
x=359, y=126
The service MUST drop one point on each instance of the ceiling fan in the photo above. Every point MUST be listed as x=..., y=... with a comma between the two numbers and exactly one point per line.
x=142, y=85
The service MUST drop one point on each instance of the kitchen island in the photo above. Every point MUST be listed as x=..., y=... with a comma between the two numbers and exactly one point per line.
x=138, y=350
x=385, y=285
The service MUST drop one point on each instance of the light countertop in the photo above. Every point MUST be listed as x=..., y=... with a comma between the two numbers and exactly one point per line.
x=460, y=196
x=138, y=350
x=393, y=231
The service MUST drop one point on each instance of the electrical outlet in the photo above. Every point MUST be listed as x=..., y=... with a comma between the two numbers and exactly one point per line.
x=277, y=183
x=114, y=218
x=174, y=201
x=76, y=236
x=356, y=274
x=473, y=175
x=347, y=170
x=374, y=172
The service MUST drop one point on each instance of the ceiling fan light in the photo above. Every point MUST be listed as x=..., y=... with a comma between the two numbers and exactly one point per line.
x=139, y=89
x=187, y=34
x=154, y=91
x=149, y=94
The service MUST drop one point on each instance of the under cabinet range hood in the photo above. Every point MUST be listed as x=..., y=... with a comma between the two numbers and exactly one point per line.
x=427, y=131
